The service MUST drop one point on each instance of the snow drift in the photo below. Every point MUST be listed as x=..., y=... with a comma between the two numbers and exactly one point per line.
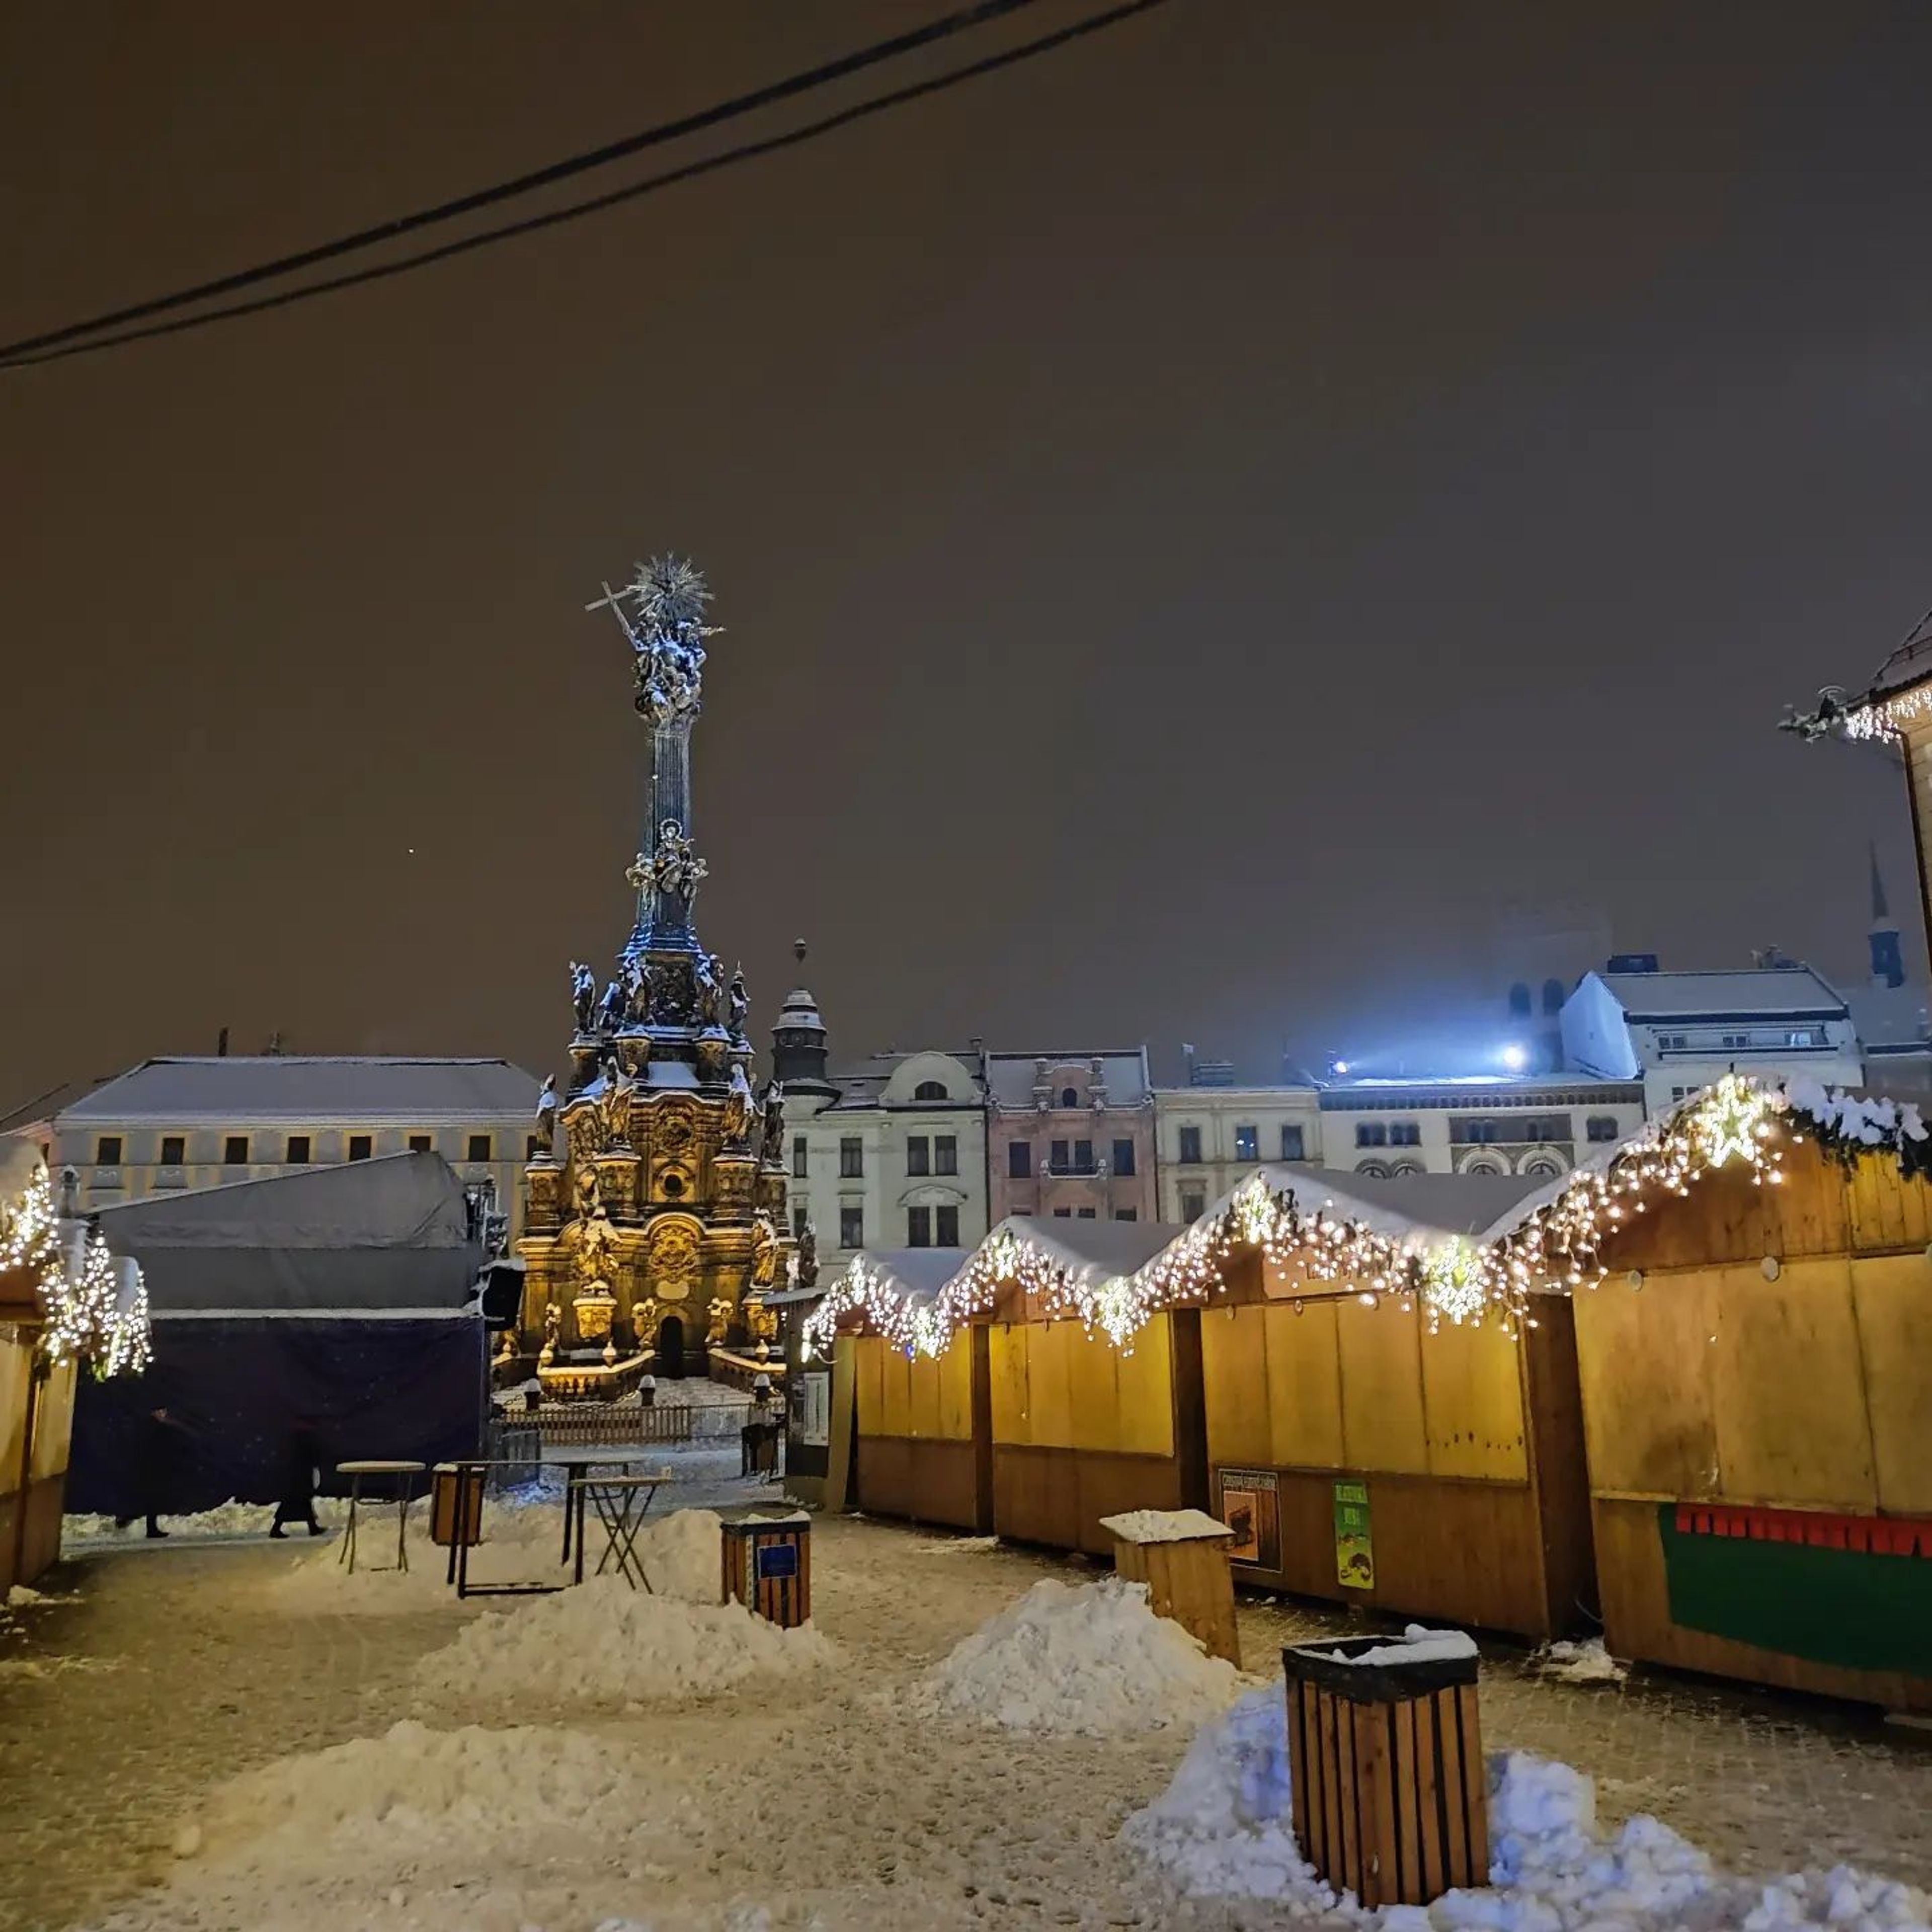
x=1223, y=1828
x=1089, y=1657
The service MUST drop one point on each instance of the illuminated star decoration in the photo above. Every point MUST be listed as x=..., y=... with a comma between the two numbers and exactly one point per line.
x=1733, y=1123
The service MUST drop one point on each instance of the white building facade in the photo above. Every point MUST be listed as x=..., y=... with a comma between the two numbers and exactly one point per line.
x=1209, y=1139
x=892, y=1155
x=169, y=1124
x=1541, y=1126
x=1678, y=1033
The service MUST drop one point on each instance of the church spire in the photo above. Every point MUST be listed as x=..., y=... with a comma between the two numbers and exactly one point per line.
x=1888, y=961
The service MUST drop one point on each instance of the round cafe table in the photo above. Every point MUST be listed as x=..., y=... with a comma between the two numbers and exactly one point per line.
x=355, y=1472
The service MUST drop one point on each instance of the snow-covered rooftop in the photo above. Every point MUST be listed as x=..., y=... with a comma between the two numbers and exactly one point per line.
x=1781, y=992
x=237, y=1088
x=1122, y=1072
x=1105, y=1247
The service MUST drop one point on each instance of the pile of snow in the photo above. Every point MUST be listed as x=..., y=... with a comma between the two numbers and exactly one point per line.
x=1146, y=1525
x=1416, y=1644
x=1871, y=1122
x=682, y=1555
x=222, y=1523
x=1223, y=1827
x=1580, y=1663
x=605, y=1643
x=1086, y=1658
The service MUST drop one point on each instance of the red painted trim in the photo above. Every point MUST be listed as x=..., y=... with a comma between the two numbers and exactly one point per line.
x=1867, y=1535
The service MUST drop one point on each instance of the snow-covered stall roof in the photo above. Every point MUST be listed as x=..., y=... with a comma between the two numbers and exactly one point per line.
x=1767, y=992
x=391, y=1235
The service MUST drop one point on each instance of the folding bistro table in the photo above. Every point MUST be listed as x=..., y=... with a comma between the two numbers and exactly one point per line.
x=622, y=1503
x=355, y=1472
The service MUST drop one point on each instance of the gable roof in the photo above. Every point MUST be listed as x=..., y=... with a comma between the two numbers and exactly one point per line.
x=1780, y=992
x=238, y=1087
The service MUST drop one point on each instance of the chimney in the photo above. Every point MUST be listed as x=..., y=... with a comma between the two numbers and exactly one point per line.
x=221, y=1046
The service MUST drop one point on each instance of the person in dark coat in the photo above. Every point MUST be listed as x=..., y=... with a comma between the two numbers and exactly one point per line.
x=163, y=1450
x=304, y=1457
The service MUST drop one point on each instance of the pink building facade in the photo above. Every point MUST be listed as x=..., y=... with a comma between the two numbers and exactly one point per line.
x=1070, y=1135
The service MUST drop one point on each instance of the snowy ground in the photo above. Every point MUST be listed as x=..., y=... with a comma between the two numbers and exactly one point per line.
x=280, y=1748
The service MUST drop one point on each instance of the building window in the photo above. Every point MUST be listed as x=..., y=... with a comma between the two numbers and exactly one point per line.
x=1519, y=1001
x=1068, y=1098
x=107, y=1150
x=1542, y=1166
x=1123, y=1157
x=1401, y=1168
x=1062, y=1214
x=945, y=1155
x=1126, y=1213
x=1552, y=996
x=1190, y=1145
x=1671, y=1042
x=801, y=1155
x=1804, y=1037
x=1058, y=1158
x=919, y=1227
x=1247, y=1143
x=946, y=1227
x=1404, y=1133
x=296, y=1153
x=1083, y=1156
x=930, y=1089
x=174, y=1150
x=419, y=1144
x=1602, y=1127
x=1375, y=1170
x=851, y=1227
x=918, y=1154
x=1019, y=1160
x=361, y=1146
x=1370, y=1133
x=1290, y=1141
x=479, y=1148
x=1086, y=1214
x=801, y=1217
x=1193, y=1203
x=235, y=1151
x=851, y=1161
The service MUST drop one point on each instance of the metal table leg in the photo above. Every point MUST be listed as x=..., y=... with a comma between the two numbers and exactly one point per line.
x=346, y=1554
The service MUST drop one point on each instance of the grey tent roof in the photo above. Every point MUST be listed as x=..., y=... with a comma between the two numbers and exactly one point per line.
x=1111, y=1247
x=297, y=1087
x=372, y=1235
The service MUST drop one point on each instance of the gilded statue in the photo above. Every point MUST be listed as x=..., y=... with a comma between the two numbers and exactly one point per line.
x=641, y=991
x=720, y=1312
x=807, y=1257
x=583, y=1183
x=592, y=1261
x=764, y=1252
x=553, y=1327
x=615, y=1104
x=738, y=1108
x=546, y=1122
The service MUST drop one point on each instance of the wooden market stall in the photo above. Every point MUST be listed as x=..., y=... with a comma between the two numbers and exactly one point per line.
x=1362, y=1455
x=1756, y=1375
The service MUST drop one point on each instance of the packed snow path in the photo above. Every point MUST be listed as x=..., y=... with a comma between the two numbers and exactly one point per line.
x=831, y=1793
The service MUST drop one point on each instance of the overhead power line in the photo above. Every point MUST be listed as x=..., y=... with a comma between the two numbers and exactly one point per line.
x=942, y=29
x=576, y=211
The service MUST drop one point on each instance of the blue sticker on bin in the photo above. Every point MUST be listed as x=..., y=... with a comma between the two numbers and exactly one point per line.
x=777, y=1560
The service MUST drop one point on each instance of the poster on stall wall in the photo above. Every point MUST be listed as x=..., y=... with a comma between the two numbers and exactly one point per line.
x=1355, y=1539
x=1250, y=1506
x=814, y=1419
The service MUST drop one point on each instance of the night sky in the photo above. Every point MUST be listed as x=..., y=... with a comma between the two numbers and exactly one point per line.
x=1205, y=523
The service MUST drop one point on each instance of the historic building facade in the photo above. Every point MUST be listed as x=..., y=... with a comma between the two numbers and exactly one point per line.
x=1071, y=1136
x=656, y=1213
x=890, y=1155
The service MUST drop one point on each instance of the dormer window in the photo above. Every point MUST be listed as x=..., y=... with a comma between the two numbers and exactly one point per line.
x=930, y=1089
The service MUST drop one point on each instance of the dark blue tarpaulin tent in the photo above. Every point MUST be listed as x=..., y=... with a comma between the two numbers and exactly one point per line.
x=341, y=1294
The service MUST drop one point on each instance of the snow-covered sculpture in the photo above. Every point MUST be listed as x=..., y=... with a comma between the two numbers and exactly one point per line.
x=583, y=994
x=546, y=1123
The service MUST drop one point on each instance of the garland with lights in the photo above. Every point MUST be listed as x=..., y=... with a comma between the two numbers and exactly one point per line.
x=1555, y=1245
x=88, y=1318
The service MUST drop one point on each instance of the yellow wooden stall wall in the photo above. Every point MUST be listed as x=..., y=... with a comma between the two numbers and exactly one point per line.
x=1892, y=1297
x=1055, y=1387
x=920, y=1396
x=17, y=1368
x=53, y=1422
x=1345, y=1386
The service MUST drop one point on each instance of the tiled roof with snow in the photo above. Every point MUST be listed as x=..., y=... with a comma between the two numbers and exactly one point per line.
x=238, y=1087
x=1123, y=1073
x=1780, y=992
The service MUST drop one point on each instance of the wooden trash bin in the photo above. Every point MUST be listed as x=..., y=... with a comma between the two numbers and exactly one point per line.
x=1181, y=1555
x=1385, y=1753
x=456, y=1505
x=767, y=1565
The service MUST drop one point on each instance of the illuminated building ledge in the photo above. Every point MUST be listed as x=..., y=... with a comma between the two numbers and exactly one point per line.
x=1546, y=1241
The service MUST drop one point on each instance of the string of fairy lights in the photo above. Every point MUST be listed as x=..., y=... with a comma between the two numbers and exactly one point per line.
x=96, y=1307
x=1887, y=717
x=1550, y=1244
